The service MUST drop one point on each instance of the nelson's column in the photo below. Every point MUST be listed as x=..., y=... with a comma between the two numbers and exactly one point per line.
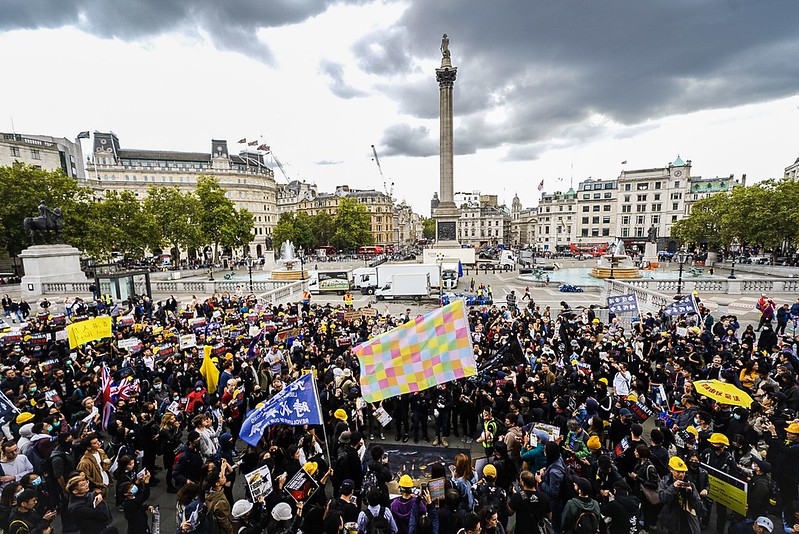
x=446, y=214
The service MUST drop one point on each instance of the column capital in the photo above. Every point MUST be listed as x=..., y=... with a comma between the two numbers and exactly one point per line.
x=446, y=76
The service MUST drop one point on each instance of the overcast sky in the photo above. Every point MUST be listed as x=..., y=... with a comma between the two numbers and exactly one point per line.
x=546, y=90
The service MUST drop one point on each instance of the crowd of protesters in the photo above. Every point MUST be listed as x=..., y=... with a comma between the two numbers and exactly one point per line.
x=558, y=409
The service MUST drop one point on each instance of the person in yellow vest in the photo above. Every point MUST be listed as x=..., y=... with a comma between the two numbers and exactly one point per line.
x=306, y=300
x=348, y=300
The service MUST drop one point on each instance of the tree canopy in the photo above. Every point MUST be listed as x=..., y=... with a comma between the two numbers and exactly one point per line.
x=763, y=215
x=349, y=229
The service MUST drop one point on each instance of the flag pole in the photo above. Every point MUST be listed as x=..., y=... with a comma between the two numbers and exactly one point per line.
x=322, y=420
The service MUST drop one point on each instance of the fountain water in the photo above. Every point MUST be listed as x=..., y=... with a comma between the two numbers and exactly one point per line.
x=289, y=267
x=619, y=263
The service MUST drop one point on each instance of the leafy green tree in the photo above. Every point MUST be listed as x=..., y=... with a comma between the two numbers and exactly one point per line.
x=429, y=228
x=285, y=229
x=216, y=211
x=238, y=230
x=303, y=223
x=23, y=186
x=353, y=225
x=323, y=226
x=129, y=228
x=177, y=216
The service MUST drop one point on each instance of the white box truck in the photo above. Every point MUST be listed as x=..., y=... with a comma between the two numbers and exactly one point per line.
x=464, y=255
x=405, y=286
x=328, y=282
x=368, y=279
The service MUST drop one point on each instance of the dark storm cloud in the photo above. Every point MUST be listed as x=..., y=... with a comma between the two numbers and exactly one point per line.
x=230, y=25
x=335, y=71
x=552, y=66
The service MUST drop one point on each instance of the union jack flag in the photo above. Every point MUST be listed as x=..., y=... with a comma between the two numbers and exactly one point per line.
x=111, y=391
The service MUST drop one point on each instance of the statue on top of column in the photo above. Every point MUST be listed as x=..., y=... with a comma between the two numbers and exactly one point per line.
x=445, y=46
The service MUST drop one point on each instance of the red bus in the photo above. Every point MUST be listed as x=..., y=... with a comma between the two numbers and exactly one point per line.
x=371, y=250
x=594, y=249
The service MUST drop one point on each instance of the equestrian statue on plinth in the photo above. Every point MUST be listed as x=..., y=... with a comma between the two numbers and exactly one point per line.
x=47, y=220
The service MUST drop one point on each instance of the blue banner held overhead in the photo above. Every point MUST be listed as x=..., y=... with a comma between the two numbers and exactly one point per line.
x=296, y=405
x=685, y=306
x=623, y=303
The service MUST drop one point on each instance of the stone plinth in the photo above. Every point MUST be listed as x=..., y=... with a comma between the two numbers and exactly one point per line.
x=651, y=254
x=292, y=276
x=49, y=264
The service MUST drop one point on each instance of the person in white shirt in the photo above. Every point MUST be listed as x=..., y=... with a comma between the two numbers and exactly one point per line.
x=15, y=465
x=622, y=381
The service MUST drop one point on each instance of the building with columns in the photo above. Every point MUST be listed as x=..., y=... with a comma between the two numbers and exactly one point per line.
x=248, y=182
x=792, y=171
x=523, y=224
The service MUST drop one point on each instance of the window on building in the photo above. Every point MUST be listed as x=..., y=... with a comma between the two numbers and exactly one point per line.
x=560, y=208
x=586, y=196
x=655, y=219
x=594, y=220
x=656, y=207
x=640, y=208
x=643, y=186
x=606, y=219
x=641, y=198
x=625, y=232
x=625, y=220
x=546, y=229
x=676, y=184
x=639, y=232
x=639, y=219
x=597, y=195
x=35, y=153
x=626, y=209
x=606, y=207
x=585, y=220
x=676, y=196
x=586, y=208
x=608, y=195
x=627, y=187
x=594, y=232
x=657, y=196
x=627, y=198
x=675, y=206
x=673, y=218
x=584, y=232
x=15, y=151
x=657, y=185
x=595, y=208
x=605, y=232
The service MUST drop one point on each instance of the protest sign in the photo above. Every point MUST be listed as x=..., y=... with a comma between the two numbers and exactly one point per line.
x=550, y=430
x=86, y=331
x=188, y=341
x=301, y=486
x=383, y=417
x=727, y=490
x=436, y=489
x=641, y=412
x=260, y=482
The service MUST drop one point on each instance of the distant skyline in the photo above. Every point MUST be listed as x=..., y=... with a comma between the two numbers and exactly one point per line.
x=553, y=91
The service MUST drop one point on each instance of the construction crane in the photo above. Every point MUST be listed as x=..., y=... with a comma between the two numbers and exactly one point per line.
x=389, y=192
x=280, y=166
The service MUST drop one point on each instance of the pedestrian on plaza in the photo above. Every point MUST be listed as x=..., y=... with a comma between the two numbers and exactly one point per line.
x=783, y=314
x=88, y=508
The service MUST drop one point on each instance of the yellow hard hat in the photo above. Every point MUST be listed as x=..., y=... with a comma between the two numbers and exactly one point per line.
x=719, y=439
x=594, y=443
x=340, y=414
x=406, y=481
x=311, y=467
x=793, y=428
x=676, y=463
x=490, y=471
x=632, y=398
x=24, y=417
x=604, y=380
x=692, y=430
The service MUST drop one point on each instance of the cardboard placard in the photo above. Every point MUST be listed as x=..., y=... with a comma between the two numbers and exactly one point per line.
x=260, y=482
x=641, y=412
x=166, y=350
x=301, y=486
x=126, y=320
x=38, y=339
x=368, y=312
x=727, y=490
x=128, y=343
x=436, y=489
x=188, y=341
x=61, y=335
x=383, y=417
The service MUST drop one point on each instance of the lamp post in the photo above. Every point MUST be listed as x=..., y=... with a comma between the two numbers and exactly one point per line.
x=732, y=270
x=682, y=258
x=249, y=270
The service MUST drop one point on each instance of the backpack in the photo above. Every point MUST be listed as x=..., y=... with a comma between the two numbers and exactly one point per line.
x=370, y=481
x=587, y=523
x=377, y=524
x=567, y=484
x=774, y=497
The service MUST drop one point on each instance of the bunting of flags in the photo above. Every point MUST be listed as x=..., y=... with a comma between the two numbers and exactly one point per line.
x=433, y=349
